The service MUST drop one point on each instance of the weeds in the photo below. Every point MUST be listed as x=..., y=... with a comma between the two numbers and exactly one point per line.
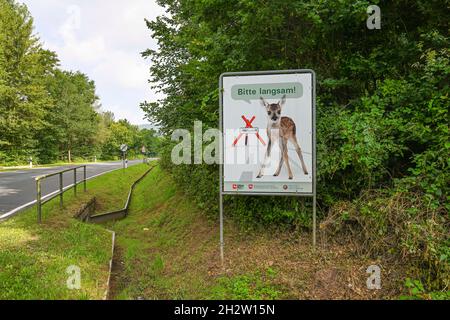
x=400, y=226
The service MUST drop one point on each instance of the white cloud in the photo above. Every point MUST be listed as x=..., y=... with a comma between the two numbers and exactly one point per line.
x=124, y=69
x=102, y=39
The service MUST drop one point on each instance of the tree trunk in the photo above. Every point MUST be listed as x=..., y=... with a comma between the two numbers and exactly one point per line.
x=69, y=156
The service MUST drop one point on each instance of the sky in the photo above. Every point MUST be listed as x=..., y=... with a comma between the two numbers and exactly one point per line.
x=103, y=39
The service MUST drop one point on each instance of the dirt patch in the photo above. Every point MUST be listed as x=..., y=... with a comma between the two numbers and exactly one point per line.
x=86, y=210
x=329, y=272
x=118, y=276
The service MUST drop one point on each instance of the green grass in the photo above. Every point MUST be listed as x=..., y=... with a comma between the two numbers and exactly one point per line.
x=169, y=250
x=24, y=166
x=34, y=258
x=255, y=286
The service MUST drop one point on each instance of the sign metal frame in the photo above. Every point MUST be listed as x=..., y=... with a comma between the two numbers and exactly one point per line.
x=221, y=150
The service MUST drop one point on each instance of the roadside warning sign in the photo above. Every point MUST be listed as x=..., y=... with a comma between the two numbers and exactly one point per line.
x=282, y=158
x=268, y=133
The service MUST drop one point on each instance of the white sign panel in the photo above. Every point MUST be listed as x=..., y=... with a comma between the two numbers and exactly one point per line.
x=268, y=132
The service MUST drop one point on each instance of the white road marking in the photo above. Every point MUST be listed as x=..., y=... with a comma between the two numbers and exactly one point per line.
x=29, y=204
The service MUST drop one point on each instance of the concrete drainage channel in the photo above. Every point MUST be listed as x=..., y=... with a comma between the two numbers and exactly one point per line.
x=87, y=214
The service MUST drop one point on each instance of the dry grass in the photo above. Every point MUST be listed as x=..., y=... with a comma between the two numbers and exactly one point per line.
x=330, y=272
x=401, y=226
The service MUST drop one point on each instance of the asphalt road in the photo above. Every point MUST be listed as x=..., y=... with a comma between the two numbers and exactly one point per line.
x=18, y=188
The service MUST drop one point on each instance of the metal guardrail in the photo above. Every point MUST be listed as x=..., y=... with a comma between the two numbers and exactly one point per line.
x=40, y=202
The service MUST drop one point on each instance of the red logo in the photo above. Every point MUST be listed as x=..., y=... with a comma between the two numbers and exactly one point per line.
x=235, y=186
x=250, y=186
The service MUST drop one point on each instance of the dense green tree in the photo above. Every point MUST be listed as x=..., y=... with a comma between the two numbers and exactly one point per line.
x=120, y=132
x=24, y=69
x=46, y=112
x=74, y=120
x=375, y=87
x=149, y=139
x=382, y=106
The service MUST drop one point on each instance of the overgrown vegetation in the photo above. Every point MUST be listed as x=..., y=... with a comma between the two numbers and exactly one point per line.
x=168, y=249
x=50, y=114
x=34, y=258
x=382, y=104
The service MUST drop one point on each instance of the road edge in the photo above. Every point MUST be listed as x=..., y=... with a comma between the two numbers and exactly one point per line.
x=23, y=207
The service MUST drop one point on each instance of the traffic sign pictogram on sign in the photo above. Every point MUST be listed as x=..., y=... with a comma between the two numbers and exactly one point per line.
x=248, y=129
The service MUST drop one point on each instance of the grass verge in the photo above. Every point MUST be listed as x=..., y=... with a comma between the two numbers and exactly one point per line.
x=168, y=249
x=25, y=167
x=34, y=258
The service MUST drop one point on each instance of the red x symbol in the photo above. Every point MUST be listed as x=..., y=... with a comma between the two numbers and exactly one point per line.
x=248, y=124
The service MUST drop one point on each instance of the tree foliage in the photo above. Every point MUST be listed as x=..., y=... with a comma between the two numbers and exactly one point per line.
x=382, y=94
x=382, y=100
x=73, y=119
x=48, y=113
x=24, y=69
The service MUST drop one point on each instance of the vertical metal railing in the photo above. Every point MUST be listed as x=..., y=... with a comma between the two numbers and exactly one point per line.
x=84, y=179
x=75, y=182
x=61, y=187
x=40, y=201
x=38, y=197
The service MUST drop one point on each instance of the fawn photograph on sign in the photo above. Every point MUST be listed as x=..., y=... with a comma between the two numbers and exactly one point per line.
x=268, y=132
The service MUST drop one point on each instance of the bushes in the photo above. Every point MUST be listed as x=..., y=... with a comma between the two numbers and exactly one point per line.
x=382, y=110
x=396, y=225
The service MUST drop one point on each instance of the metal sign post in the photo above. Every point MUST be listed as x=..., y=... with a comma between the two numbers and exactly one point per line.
x=144, y=151
x=124, y=149
x=284, y=102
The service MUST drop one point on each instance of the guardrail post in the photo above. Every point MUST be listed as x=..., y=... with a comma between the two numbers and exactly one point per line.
x=38, y=200
x=75, y=181
x=84, y=179
x=61, y=190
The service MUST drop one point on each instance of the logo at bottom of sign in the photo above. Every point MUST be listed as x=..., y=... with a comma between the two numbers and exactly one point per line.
x=238, y=186
x=265, y=187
